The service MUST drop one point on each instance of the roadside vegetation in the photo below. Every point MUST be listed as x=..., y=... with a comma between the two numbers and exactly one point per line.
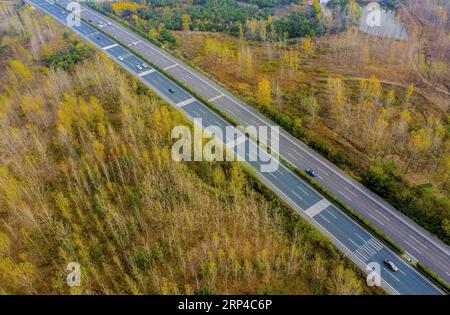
x=376, y=107
x=86, y=176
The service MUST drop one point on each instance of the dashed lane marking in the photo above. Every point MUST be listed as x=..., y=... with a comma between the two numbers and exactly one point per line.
x=345, y=195
x=296, y=194
x=382, y=215
x=413, y=247
x=375, y=218
x=391, y=274
x=360, y=237
x=417, y=241
x=351, y=191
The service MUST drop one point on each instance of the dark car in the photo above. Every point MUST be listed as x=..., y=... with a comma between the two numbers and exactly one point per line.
x=310, y=172
x=390, y=264
x=171, y=91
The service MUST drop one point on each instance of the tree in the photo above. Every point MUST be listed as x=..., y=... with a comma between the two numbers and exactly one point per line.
x=264, y=93
x=18, y=72
x=186, y=22
x=343, y=282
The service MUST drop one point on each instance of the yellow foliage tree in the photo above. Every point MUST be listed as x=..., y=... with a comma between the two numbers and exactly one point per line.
x=264, y=93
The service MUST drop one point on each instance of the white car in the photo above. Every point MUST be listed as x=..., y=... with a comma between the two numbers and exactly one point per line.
x=139, y=67
x=109, y=23
x=144, y=65
x=120, y=58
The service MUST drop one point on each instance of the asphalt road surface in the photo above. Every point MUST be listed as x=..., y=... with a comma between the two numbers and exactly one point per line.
x=359, y=245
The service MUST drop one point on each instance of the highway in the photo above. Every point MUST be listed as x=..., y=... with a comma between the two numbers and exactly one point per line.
x=357, y=244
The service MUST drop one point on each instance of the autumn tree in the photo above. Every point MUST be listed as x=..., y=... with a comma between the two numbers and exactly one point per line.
x=264, y=92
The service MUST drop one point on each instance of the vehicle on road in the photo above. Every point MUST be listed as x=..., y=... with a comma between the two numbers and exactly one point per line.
x=389, y=263
x=109, y=23
x=139, y=67
x=310, y=172
x=120, y=58
x=171, y=90
x=144, y=65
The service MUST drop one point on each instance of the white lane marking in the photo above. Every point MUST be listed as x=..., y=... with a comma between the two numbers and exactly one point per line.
x=413, y=247
x=417, y=241
x=345, y=195
x=323, y=171
x=304, y=191
x=216, y=98
x=362, y=254
x=351, y=191
x=375, y=218
x=186, y=102
x=110, y=46
x=331, y=213
x=382, y=215
x=290, y=155
x=296, y=194
x=391, y=274
x=146, y=72
x=448, y=274
x=318, y=207
x=402, y=272
x=320, y=177
x=171, y=66
x=325, y=218
x=353, y=242
x=359, y=236
x=375, y=244
x=368, y=249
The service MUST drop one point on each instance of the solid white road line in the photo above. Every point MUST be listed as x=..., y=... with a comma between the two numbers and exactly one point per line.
x=146, y=72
